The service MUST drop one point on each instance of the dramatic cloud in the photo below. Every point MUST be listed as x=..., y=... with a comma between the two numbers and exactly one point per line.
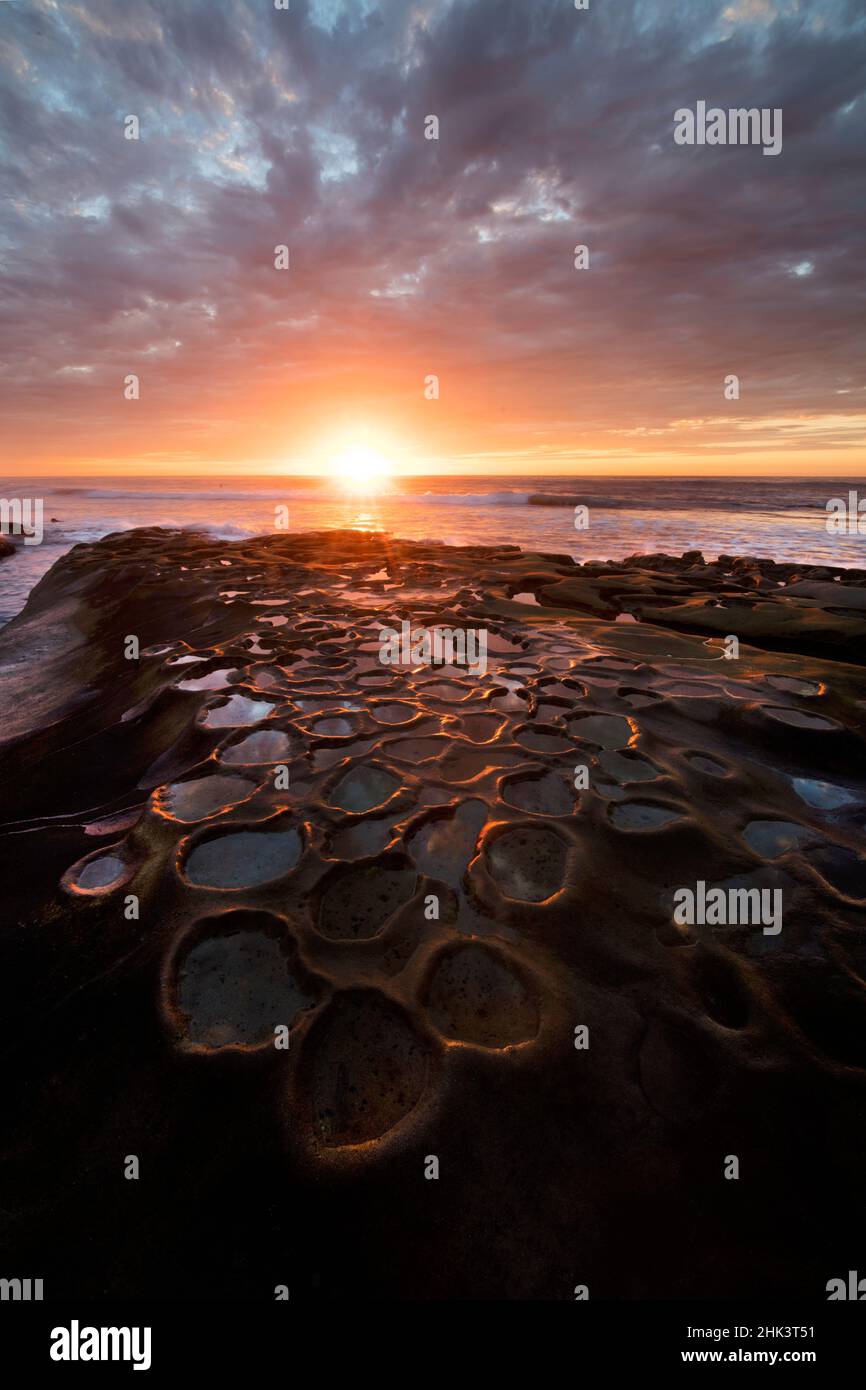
x=409, y=256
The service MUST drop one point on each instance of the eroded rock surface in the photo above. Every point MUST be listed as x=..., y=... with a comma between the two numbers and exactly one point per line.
x=431, y=881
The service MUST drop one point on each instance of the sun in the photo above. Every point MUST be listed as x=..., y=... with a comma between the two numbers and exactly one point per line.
x=361, y=469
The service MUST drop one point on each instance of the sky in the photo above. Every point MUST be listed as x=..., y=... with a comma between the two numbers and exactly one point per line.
x=412, y=258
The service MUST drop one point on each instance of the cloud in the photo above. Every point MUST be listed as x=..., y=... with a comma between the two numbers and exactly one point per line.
x=262, y=127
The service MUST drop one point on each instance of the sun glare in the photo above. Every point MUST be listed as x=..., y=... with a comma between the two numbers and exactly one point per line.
x=361, y=469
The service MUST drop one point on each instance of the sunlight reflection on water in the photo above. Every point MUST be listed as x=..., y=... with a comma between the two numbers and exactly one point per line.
x=466, y=516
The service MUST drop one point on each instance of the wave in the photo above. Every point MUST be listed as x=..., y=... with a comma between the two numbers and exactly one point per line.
x=288, y=494
x=187, y=495
x=584, y=499
x=471, y=499
x=86, y=535
x=614, y=495
x=437, y=499
x=223, y=531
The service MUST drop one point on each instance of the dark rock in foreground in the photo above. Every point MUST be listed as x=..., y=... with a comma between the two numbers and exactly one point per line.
x=224, y=815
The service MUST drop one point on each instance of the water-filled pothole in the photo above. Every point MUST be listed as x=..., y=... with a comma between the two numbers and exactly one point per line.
x=358, y=901
x=446, y=690
x=264, y=746
x=800, y=719
x=545, y=793
x=826, y=796
x=237, y=711
x=771, y=838
x=331, y=754
x=202, y=797
x=443, y=846
x=793, y=685
x=97, y=873
x=627, y=767
x=606, y=730
x=364, y=1068
x=214, y=680
x=542, y=738
x=393, y=712
x=243, y=859
x=362, y=788
x=510, y=702
x=641, y=815
x=527, y=864
x=336, y=726
x=363, y=838
x=474, y=995
x=235, y=987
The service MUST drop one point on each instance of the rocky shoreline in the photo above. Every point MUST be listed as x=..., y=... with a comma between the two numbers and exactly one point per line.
x=286, y=923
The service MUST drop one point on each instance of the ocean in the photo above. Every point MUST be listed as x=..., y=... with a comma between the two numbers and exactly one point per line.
x=778, y=518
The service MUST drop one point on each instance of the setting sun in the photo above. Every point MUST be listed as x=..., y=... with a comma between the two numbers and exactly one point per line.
x=360, y=468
